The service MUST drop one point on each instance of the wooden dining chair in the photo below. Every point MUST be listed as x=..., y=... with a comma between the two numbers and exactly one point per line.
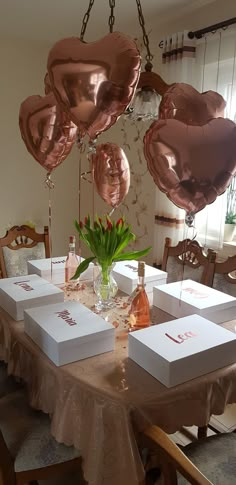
x=19, y=245
x=28, y=451
x=208, y=461
x=224, y=276
x=187, y=260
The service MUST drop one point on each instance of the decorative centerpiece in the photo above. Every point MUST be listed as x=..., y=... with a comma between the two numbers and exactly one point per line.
x=106, y=240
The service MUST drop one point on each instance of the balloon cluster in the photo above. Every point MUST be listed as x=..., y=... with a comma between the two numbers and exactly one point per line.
x=87, y=86
x=191, y=149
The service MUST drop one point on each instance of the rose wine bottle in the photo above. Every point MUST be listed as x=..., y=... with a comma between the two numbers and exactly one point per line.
x=140, y=309
x=72, y=262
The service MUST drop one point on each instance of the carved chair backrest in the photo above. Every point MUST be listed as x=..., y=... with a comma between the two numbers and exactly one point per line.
x=22, y=238
x=187, y=260
x=224, y=277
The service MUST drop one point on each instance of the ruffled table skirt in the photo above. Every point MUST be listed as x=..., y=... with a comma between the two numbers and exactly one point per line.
x=100, y=404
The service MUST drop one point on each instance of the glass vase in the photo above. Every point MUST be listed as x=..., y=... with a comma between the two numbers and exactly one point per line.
x=105, y=288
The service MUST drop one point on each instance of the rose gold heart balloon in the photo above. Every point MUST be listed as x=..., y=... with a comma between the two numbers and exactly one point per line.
x=184, y=103
x=48, y=89
x=94, y=83
x=47, y=84
x=191, y=164
x=47, y=132
x=111, y=173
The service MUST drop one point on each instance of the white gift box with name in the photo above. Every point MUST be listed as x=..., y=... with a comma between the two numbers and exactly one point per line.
x=178, y=351
x=42, y=267
x=188, y=297
x=21, y=292
x=69, y=331
x=126, y=276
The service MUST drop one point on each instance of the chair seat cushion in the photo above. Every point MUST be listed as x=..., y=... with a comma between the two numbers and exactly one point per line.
x=27, y=435
x=221, y=284
x=16, y=260
x=178, y=272
x=215, y=457
x=7, y=383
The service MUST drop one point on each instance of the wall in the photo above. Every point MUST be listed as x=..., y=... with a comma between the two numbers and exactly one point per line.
x=23, y=196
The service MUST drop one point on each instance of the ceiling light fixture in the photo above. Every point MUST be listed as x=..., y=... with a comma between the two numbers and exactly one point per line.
x=146, y=101
x=151, y=86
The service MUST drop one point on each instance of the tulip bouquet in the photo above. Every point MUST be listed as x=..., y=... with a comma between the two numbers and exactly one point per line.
x=106, y=240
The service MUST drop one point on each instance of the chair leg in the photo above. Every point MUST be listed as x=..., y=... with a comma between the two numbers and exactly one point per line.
x=7, y=473
x=202, y=432
x=169, y=473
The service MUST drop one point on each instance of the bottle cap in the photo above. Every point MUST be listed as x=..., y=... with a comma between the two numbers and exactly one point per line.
x=141, y=268
x=72, y=239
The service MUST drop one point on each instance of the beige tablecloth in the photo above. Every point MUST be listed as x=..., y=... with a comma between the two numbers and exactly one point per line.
x=99, y=403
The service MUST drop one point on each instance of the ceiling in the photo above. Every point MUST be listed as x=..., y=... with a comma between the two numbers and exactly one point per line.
x=50, y=20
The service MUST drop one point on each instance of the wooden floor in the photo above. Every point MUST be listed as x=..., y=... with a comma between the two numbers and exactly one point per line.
x=224, y=423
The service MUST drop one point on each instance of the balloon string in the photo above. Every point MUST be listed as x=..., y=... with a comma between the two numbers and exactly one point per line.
x=232, y=85
x=50, y=225
x=204, y=64
x=50, y=185
x=80, y=146
x=84, y=176
x=189, y=224
x=48, y=181
x=91, y=151
x=218, y=64
x=93, y=201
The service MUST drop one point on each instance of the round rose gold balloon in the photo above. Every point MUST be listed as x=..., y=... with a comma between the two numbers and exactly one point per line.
x=184, y=103
x=47, y=132
x=94, y=83
x=191, y=164
x=111, y=173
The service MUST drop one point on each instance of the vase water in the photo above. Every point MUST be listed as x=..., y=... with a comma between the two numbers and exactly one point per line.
x=105, y=288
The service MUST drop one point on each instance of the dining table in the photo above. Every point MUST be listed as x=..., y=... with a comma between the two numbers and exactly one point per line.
x=101, y=404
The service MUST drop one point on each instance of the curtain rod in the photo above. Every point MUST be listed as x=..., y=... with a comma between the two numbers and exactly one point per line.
x=212, y=28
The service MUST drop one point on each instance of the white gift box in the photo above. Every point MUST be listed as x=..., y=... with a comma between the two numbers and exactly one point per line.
x=69, y=331
x=180, y=350
x=21, y=292
x=42, y=267
x=188, y=297
x=126, y=276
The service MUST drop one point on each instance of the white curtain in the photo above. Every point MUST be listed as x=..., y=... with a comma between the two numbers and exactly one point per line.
x=178, y=65
x=216, y=70
x=206, y=64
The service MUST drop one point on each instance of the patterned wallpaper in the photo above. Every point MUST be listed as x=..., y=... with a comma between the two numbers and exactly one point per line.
x=138, y=206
